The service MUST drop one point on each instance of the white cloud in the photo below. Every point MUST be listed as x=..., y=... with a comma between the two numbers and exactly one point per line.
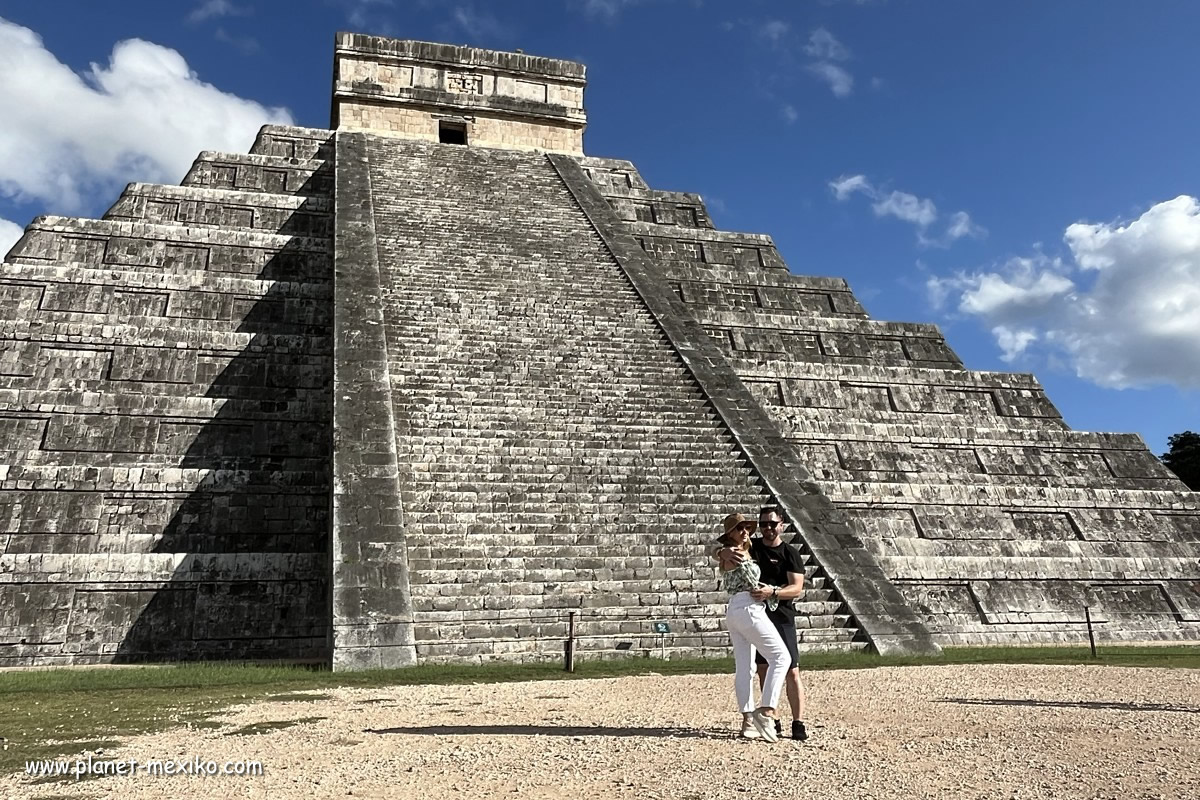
x=907, y=207
x=10, y=232
x=961, y=225
x=1136, y=323
x=847, y=185
x=212, y=9
x=789, y=113
x=774, y=30
x=841, y=82
x=918, y=211
x=143, y=117
x=824, y=46
x=1013, y=342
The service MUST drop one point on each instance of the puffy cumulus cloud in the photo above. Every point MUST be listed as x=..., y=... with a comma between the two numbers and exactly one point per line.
x=1019, y=291
x=918, y=211
x=144, y=117
x=9, y=233
x=1125, y=311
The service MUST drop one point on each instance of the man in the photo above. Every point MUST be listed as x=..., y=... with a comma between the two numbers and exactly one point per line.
x=782, y=577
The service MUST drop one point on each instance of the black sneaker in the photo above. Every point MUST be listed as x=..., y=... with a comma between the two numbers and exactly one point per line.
x=798, y=731
x=778, y=729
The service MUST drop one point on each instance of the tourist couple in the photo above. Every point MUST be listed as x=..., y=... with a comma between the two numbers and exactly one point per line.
x=763, y=576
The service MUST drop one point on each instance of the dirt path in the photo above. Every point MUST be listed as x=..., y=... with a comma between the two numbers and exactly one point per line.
x=936, y=732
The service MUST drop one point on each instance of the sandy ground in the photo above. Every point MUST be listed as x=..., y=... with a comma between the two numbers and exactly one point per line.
x=936, y=732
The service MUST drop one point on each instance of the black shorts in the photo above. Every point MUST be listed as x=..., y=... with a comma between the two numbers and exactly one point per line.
x=787, y=629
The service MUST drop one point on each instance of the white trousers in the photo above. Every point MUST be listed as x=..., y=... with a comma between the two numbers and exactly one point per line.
x=750, y=630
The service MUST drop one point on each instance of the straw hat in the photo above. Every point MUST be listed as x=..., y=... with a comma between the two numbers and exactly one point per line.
x=733, y=522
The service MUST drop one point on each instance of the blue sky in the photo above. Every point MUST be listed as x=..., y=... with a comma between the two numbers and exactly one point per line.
x=1023, y=173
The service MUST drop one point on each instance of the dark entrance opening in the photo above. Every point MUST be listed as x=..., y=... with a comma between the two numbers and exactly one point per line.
x=452, y=133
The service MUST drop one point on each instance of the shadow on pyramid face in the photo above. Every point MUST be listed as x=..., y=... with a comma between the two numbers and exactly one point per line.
x=255, y=527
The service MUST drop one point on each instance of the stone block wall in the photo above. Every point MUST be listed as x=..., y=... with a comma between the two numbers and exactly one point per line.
x=165, y=376
x=997, y=522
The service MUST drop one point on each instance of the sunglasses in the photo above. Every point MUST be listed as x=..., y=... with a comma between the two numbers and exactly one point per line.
x=778, y=524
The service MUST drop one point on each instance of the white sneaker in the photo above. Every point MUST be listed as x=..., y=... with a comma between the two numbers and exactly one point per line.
x=748, y=729
x=764, y=725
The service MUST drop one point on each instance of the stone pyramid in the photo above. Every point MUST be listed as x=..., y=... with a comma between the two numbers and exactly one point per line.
x=427, y=385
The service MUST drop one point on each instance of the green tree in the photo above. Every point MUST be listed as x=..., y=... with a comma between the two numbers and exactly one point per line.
x=1183, y=458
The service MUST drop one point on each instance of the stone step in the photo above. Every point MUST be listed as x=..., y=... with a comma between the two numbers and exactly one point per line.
x=544, y=474
x=622, y=562
x=261, y=173
x=589, y=627
x=198, y=206
x=521, y=582
x=601, y=649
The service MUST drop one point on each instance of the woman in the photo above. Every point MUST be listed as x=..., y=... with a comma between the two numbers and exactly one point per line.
x=750, y=630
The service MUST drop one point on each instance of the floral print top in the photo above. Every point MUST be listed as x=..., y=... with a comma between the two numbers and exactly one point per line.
x=743, y=578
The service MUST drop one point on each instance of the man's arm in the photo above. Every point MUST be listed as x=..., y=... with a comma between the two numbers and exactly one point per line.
x=795, y=573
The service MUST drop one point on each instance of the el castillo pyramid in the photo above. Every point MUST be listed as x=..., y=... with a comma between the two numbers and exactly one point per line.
x=413, y=388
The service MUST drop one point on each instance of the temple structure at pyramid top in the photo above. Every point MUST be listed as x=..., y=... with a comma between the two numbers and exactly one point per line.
x=434, y=386
x=460, y=95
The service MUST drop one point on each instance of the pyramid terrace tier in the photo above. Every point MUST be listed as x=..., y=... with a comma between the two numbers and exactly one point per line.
x=172, y=248
x=194, y=206
x=261, y=173
x=292, y=142
x=126, y=607
x=977, y=464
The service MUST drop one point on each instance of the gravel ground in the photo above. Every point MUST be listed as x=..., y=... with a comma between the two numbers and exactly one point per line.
x=918, y=732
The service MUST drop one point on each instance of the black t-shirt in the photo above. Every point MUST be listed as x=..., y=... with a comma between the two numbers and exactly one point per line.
x=775, y=563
